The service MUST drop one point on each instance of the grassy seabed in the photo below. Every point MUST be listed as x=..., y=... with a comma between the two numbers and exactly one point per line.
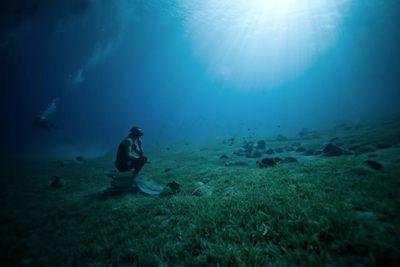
x=320, y=211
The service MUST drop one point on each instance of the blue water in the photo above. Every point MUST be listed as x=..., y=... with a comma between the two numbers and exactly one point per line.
x=191, y=70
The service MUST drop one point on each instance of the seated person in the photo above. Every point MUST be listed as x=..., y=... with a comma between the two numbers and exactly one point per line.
x=130, y=152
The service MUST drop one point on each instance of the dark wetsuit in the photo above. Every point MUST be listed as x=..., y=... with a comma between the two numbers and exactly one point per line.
x=129, y=156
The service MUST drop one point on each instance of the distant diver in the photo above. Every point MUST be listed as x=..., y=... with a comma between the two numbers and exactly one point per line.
x=130, y=154
x=42, y=121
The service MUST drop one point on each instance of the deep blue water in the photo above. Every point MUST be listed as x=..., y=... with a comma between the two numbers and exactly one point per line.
x=191, y=70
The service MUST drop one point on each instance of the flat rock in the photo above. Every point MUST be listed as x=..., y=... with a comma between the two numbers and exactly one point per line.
x=266, y=162
x=373, y=164
x=261, y=144
x=57, y=182
x=235, y=163
x=270, y=151
x=229, y=191
x=332, y=150
x=364, y=149
x=309, y=152
x=359, y=171
x=289, y=160
x=202, y=190
x=301, y=149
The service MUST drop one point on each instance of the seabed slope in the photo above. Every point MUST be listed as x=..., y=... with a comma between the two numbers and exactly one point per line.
x=319, y=211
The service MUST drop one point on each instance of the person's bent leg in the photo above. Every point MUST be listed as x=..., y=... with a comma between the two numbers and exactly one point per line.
x=139, y=163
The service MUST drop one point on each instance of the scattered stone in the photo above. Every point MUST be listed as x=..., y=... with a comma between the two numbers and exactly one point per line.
x=343, y=126
x=296, y=144
x=256, y=154
x=202, y=190
x=235, y=164
x=359, y=171
x=289, y=149
x=229, y=191
x=373, y=164
x=303, y=132
x=326, y=237
x=300, y=149
x=231, y=141
x=329, y=189
x=270, y=151
x=224, y=157
x=80, y=159
x=332, y=150
x=309, y=152
x=367, y=215
x=240, y=152
x=353, y=148
x=289, y=160
x=384, y=145
x=279, y=150
x=266, y=162
x=65, y=163
x=281, y=138
x=57, y=182
x=334, y=139
x=364, y=149
x=277, y=160
x=170, y=189
x=261, y=144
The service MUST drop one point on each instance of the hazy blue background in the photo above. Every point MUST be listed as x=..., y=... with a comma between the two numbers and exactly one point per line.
x=187, y=70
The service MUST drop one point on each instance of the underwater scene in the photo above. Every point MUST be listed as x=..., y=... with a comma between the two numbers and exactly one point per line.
x=200, y=133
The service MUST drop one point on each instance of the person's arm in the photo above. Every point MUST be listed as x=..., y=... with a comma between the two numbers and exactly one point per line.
x=128, y=149
x=139, y=143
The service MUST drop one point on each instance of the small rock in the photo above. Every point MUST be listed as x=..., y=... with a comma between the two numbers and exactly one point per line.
x=367, y=215
x=202, y=190
x=318, y=152
x=309, y=152
x=303, y=132
x=57, y=182
x=277, y=160
x=170, y=189
x=289, y=160
x=359, y=171
x=270, y=151
x=235, y=163
x=279, y=150
x=281, y=138
x=224, y=157
x=229, y=191
x=364, y=149
x=256, y=154
x=329, y=189
x=167, y=169
x=80, y=159
x=332, y=150
x=296, y=144
x=373, y=164
x=384, y=145
x=261, y=144
x=266, y=162
x=300, y=149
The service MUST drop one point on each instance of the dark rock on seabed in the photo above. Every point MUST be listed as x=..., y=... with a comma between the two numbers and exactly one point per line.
x=261, y=144
x=373, y=164
x=266, y=162
x=289, y=160
x=270, y=151
x=332, y=150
